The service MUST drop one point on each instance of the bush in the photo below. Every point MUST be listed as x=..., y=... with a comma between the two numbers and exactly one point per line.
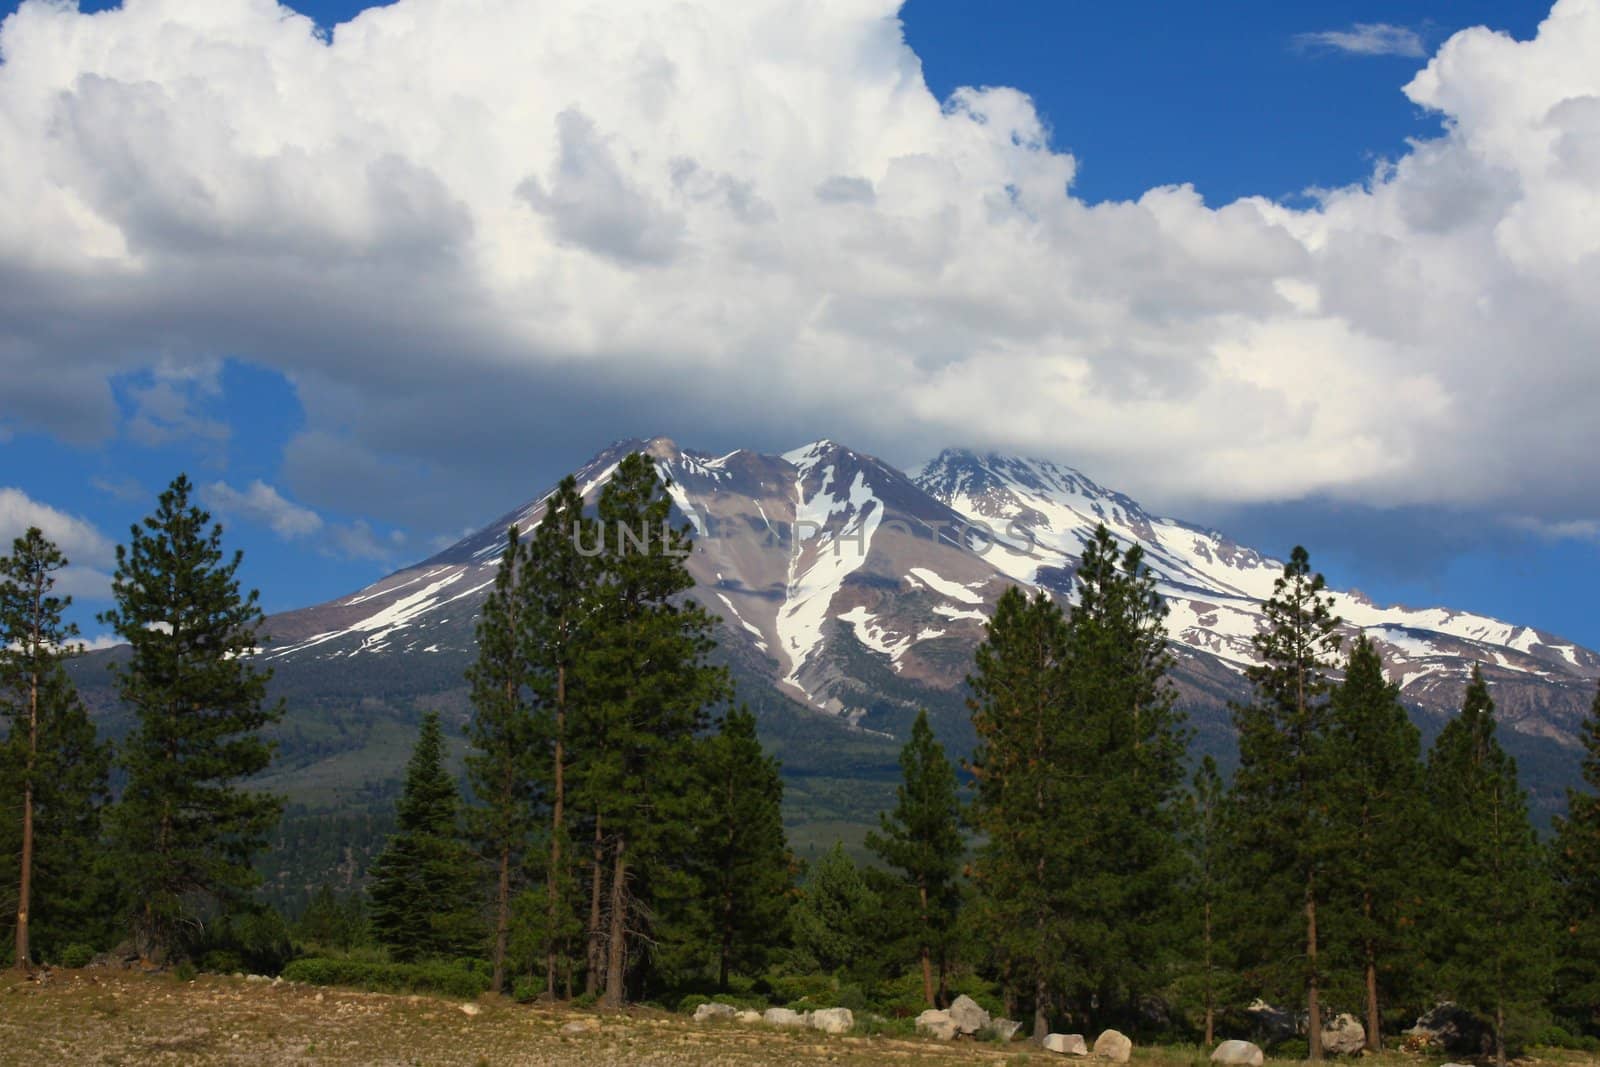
x=1556, y=1036
x=525, y=989
x=76, y=956
x=222, y=961
x=449, y=979
x=184, y=972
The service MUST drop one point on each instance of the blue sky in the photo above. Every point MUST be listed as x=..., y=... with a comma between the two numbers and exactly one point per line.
x=315, y=331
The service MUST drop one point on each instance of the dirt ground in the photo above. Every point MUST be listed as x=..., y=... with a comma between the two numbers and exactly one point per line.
x=115, y=1017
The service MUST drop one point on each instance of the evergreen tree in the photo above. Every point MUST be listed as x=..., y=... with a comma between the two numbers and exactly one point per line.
x=747, y=871
x=558, y=596
x=1019, y=701
x=1278, y=806
x=504, y=767
x=646, y=685
x=921, y=838
x=1374, y=811
x=1490, y=898
x=331, y=922
x=1577, y=869
x=836, y=921
x=1208, y=853
x=424, y=886
x=52, y=767
x=184, y=831
x=1126, y=750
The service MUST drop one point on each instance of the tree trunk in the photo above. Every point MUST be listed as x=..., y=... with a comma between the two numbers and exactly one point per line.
x=1313, y=1003
x=1499, y=1034
x=617, y=956
x=1041, y=1009
x=557, y=815
x=502, y=920
x=23, y=955
x=1210, y=994
x=591, y=980
x=927, y=961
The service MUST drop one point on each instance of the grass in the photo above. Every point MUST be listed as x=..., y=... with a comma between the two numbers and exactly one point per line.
x=122, y=1018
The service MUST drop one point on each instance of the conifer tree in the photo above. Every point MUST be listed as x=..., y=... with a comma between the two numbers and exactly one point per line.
x=921, y=838
x=1019, y=702
x=557, y=591
x=1126, y=751
x=647, y=685
x=1489, y=901
x=1577, y=870
x=185, y=830
x=504, y=767
x=1374, y=811
x=837, y=919
x=52, y=767
x=746, y=869
x=424, y=885
x=1207, y=846
x=1279, y=800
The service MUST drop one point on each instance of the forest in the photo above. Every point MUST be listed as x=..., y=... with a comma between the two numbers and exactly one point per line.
x=617, y=837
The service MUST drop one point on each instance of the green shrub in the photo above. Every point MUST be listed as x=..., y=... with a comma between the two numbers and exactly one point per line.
x=449, y=979
x=222, y=961
x=525, y=989
x=76, y=956
x=1292, y=1048
x=184, y=972
x=1557, y=1036
x=584, y=1000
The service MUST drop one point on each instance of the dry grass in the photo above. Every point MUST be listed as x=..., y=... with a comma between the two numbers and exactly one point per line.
x=103, y=1017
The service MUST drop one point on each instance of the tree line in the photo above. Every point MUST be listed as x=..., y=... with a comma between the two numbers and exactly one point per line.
x=618, y=833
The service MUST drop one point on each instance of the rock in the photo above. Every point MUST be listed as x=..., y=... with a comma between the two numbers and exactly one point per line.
x=937, y=1024
x=1005, y=1029
x=748, y=1016
x=1066, y=1044
x=714, y=1011
x=1452, y=1028
x=471, y=1009
x=832, y=1020
x=1343, y=1035
x=581, y=1026
x=1113, y=1045
x=785, y=1017
x=1238, y=1054
x=1273, y=1024
x=968, y=1016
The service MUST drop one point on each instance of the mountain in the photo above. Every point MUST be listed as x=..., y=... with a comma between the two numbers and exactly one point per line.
x=851, y=594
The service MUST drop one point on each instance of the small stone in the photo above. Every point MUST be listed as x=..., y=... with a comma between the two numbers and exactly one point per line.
x=707, y=1012
x=748, y=1016
x=581, y=1026
x=937, y=1024
x=1066, y=1044
x=471, y=1009
x=1238, y=1054
x=832, y=1020
x=785, y=1017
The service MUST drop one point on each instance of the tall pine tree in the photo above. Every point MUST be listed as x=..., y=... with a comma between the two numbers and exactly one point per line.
x=185, y=829
x=1279, y=802
x=504, y=764
x=1373, y=815
x=647, y=686
x=424, y=886
x=1207, y=881
x=52, y=767
x=1489, y=901
x=746, y=872
x=921, y=839
x=557, y=591
x=1577, y=870
x=1019, y=703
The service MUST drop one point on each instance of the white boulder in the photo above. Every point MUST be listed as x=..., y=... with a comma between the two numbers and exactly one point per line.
x=968, y=1015
x=1343, y=1035
x=785, y=1017
x=1066, y=1044
x=937, y=1024
x=1238, y=1054
x=707, y=1012
x=1113, y=1045
x=832, y=1020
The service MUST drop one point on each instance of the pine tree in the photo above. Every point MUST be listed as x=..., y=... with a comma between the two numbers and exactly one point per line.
x=184, y=830
x=1374, y=812
x=921, y=838
x=837, y=919
x=504, y=768
x=1207, y=848
x=746, y=869
x=647, y=685
x=1126, y=750
x=52, y=767
x=1278, y=804
x=1019, y=703
x=1490, y=898
x=1577, y=870
x=424, y=886
x=558, y=595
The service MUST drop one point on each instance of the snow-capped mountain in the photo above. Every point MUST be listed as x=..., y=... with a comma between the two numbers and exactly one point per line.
x=861, y=591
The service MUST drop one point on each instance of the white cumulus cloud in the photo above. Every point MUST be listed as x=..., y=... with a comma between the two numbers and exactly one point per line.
x=262, y=504
x=89, y=553
x=469, y=231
